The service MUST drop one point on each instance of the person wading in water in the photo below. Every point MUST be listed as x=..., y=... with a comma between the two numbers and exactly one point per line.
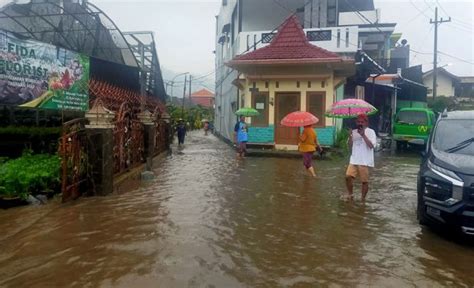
x=362, y=142
x=308, y=145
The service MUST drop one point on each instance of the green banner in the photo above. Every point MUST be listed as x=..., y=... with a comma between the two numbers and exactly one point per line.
x=40, y=75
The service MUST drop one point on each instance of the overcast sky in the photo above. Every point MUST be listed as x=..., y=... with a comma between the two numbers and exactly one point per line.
x=184, y=30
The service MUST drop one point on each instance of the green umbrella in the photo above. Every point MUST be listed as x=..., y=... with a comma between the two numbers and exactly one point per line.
x=247, y=112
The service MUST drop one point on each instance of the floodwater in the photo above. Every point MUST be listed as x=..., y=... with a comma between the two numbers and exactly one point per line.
x=208, y=220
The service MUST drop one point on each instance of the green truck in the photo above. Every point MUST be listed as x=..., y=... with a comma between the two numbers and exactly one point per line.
x=413, y=126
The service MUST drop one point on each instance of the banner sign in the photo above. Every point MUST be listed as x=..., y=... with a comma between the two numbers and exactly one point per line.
x=40, y=75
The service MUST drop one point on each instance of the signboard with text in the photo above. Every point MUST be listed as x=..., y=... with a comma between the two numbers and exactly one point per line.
x=40, y=75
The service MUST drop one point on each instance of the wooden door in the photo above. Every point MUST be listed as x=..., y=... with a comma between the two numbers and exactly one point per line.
x=286, y=103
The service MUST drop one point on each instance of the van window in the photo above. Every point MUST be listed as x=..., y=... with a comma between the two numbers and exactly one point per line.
x=413, y=117
x=433, y=119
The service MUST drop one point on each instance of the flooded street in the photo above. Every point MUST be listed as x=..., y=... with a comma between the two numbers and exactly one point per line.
x=208, y=220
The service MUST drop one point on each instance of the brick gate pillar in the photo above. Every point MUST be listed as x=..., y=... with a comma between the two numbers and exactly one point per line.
x=100, y=133
x=147, y=118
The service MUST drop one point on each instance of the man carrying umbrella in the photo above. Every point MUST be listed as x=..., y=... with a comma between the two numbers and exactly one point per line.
x=362, y=142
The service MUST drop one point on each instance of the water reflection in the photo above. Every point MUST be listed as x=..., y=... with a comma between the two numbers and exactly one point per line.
x=208, y=220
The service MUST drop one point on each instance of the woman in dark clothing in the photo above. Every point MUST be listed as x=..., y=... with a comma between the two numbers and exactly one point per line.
x=181, y=129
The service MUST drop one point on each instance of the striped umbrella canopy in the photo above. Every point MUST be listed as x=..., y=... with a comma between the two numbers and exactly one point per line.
x=247, y=112
x=299, y=119
x=350, y=108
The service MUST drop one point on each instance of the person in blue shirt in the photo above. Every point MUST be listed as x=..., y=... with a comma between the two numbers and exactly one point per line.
x=241, y=137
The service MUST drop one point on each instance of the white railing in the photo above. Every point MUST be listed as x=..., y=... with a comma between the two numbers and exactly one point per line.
x=335, y=39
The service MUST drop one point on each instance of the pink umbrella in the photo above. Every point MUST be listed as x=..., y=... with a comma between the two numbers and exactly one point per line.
x=350, y=108
x=299, y=119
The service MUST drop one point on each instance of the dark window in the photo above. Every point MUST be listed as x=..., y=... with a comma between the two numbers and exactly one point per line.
x=224, y=2
x=450, y=133
x=324, y=35
x=412, y=117
x=267, y=37
x=316, y=105
x=260, y=103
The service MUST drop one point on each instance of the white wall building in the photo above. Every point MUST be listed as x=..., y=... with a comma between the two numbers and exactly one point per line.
x=341, y=26
x=446, y=83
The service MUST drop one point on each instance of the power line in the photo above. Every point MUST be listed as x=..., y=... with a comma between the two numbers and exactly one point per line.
x=419, y=10
x=459, y=27
x=362, y=15
x=465, y=27
x=429, y=5
x=457, y=58
x=445, y=54
x=418, y=52
x=423, y=41
x=206, y=75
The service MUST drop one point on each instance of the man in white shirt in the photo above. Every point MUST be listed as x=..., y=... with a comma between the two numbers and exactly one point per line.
x=362, y=142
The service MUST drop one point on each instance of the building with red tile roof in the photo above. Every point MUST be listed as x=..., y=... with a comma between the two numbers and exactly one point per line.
x=290, y=74
x=203, y=97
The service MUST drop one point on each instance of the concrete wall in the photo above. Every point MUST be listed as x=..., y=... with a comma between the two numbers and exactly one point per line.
x=262, y=135
x=445, y=85
x=326, y=136
x=225, y=92
x=266, y=135
x=290, y=86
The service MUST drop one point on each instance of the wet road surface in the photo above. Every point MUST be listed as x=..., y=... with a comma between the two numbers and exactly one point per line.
x=208, y=220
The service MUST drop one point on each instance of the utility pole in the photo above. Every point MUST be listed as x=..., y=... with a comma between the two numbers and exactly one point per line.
x=184, y=96
x=436, y=22
x=190, y=82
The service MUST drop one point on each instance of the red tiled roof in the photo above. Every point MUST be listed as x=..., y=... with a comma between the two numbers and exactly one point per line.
x=290, y=43
x=204, y=102
x=203, y=93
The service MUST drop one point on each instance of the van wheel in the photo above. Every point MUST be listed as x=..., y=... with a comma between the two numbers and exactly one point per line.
x=421, y=207
x=401, y=146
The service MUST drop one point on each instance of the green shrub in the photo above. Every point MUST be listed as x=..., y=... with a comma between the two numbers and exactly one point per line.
x=42, y=140
x=31, y=131
x=341, y=140
x=29, y=174
x=440, y=103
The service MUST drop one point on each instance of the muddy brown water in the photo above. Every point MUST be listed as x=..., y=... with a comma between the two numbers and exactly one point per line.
x=208, y=220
